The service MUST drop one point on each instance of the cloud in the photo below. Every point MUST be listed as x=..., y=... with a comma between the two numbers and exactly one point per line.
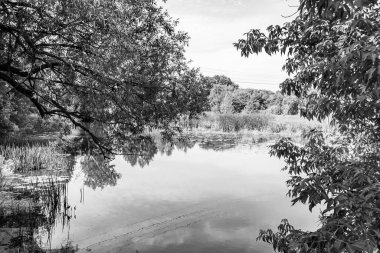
x=214, y=25
x=227, y=9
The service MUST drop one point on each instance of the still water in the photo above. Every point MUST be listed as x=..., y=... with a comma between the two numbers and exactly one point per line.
x=211, y=196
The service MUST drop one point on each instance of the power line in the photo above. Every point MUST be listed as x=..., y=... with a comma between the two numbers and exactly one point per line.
x=248, y=82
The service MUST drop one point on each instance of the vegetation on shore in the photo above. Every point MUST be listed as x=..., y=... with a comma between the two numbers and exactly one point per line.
x=116, y=69
x=332, y=50
x=260, y=123
x=33, y=157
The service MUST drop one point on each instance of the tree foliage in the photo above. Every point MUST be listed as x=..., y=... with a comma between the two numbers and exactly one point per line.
x=112, y=63
x=225, y=99
x=197, y=89
x=333, y=60
x=18, y=117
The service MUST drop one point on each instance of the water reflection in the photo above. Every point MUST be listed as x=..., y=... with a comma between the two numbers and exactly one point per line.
x=34, y=199
x=141, y=151
x=172, y=205
x=98, y=171
x=31, y=208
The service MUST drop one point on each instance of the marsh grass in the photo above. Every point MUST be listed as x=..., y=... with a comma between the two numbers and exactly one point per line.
x=33, y=157
x=237, y=122
x=2, y=164
x=266, y=123
x=40, y=204
x=33, y=189
x=294, y=124
x=229, y=122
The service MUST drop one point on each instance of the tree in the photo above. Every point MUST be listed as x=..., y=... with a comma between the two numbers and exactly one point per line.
x=216, y=97
x=259, y=100
x=19, y=117
x=116, y=64
x=333, y=56
x=221, y=80
x=197, y=90
x=226, y=106
x=240, y=99
x=290, y=105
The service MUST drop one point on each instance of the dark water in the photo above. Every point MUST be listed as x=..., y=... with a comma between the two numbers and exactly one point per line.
x=210, y=194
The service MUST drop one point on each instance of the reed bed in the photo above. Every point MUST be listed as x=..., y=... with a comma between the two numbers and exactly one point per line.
x=261, y=124
x=237, y=122
x=33, y=188
x=33, y=157
x=228, y=122
x=39, y=204
x=294, y=124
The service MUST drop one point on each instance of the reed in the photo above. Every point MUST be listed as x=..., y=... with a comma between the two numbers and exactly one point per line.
x=294, y=124
x=33, y=157
x=285, y=125
x=40, y=204
x=237, y=122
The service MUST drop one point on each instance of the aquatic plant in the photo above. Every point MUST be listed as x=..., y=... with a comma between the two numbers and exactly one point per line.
x=236, y=122
x=35, y=205
x=34, y=157
x=263, y=122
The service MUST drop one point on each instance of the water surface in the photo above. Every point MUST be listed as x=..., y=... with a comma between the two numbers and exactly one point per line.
x=210, y=194
x=201, y=200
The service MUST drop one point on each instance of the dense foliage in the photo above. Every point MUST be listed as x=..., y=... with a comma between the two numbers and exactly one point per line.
x=116, y=65
x=18, y=117
x=333, y=50
x=226, y=97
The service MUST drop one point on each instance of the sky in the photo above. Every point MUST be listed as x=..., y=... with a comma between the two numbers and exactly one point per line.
x=213, y=25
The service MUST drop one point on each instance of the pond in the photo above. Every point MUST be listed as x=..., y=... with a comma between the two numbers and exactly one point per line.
x=213, y=194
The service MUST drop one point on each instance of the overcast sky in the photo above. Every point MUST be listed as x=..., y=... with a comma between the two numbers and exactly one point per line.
x=214, y=25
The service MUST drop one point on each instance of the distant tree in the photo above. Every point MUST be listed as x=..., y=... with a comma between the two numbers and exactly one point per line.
x=290, y=105
x=240, y=99
x=259, y=100
x=226, y=106
x=246, y=100
x=197, y=90
x=276, y=103
x=216, y=97
x=333, y=50
x=112, y=63
x=224, y=80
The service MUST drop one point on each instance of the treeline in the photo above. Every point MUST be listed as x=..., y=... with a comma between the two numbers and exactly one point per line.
x=218, y=94
x=226, y=97
x=120, y=67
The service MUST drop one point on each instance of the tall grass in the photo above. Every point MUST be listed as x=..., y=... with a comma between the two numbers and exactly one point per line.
x=37, y=199
x=228, y=122
x=294, y=124
x=237, y=122
x=269, y=125
x=33, y=157
x=2, y=178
